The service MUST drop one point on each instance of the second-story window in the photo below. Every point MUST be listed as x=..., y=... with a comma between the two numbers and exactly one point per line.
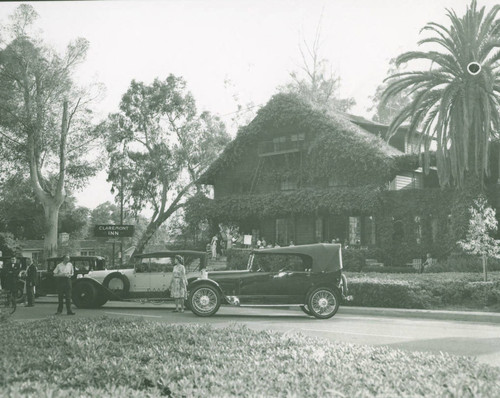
x=279, y=143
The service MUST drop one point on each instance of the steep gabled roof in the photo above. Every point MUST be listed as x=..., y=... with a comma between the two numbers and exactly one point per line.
x=287, y=112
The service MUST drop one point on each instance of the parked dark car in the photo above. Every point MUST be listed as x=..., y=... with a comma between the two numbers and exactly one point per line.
x=82, y=265
x=147, y=276
x=309, y=276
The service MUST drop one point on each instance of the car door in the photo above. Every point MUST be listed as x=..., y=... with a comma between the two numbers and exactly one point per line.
x=160, y=275
x=141, y=281
x=266, y=283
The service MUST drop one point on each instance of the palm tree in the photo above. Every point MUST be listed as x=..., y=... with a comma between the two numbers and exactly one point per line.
x=456, y=102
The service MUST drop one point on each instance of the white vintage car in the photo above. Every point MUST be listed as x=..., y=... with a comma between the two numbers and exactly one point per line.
x=147, y=276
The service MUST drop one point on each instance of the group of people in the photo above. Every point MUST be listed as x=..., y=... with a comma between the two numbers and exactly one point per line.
x=217, y=247
x=12, y=274
x=10, y=281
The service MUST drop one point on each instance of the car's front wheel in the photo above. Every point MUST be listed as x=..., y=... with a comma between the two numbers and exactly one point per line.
x=84, y=295
x=204, y=300
x=323, y=302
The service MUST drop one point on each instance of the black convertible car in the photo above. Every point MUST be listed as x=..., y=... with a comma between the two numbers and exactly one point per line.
x=309, y=276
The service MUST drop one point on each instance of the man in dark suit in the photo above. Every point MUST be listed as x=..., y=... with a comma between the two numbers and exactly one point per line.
x=31, y=272
x=10, y=279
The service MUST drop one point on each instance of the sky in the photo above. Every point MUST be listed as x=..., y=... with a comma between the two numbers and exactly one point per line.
x=253, y=44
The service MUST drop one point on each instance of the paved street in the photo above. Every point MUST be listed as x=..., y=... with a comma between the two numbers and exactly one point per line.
x=479, y=339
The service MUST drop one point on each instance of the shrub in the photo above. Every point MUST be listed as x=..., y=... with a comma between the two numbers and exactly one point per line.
x=237, y=258
x=394, y=294
x=389, y=270
x=353, y=259
x=460, y=262
x=424, y=290
x=122, y=358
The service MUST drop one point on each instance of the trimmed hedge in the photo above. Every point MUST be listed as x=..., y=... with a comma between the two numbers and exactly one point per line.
x=424, y=291
x=123, y=358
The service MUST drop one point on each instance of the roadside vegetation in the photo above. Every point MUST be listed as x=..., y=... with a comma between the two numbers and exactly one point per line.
x=117, y=358
x=445, y=290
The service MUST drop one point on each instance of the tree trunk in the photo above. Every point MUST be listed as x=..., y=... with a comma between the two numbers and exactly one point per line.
x=146, y=237
x=485, y=268
x=463, y=199
x=51, y=210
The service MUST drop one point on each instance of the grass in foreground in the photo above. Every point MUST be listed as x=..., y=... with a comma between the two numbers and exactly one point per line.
x=121, y=358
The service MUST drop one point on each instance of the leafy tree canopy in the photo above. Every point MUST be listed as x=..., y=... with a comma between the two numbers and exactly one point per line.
x=159, y=145
x=46, y=121
x=386, y=111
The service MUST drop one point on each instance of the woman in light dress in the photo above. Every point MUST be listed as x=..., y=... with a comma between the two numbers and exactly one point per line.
x=178, y=285
x=213, y=245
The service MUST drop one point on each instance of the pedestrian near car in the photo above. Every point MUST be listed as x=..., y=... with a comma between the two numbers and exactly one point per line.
x=31, y=272
x=178, y=285
x=10, y=280
x=213, y=246
x=427, y=263
x=63, y=273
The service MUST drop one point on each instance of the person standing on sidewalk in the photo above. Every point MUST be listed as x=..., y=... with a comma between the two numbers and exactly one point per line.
x=31, y=272
x=64, y=271
x=178, y=285
x=10, y=281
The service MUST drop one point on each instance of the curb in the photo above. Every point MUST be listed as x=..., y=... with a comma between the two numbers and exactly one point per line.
x=491, y=317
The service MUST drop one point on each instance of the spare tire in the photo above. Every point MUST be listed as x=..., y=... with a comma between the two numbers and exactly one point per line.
x=118, y=284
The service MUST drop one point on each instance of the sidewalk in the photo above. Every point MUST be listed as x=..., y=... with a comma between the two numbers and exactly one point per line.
x=467, y=316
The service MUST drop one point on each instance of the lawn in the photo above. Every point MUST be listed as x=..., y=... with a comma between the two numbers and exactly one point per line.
x=122, y=358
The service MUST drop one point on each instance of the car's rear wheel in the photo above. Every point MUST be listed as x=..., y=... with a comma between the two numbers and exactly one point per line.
x=323, y=302
x=204, y=300
x=306, y=309
x=84, y=295
x=118, y=284
x=101, y=300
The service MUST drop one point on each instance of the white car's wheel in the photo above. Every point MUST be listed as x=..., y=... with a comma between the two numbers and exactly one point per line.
x=118, y=284
x=204, y=300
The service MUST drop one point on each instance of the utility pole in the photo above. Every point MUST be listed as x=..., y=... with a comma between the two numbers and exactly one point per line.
x=121, y=216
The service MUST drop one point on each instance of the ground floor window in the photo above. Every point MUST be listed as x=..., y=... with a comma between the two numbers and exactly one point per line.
x=354, y=230
x=418, y=229
x=369, y=231
x=434, y=229
x=319, y=229
x=285, y=231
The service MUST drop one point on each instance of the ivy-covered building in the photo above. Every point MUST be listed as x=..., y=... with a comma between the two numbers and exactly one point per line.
x=297, y=173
